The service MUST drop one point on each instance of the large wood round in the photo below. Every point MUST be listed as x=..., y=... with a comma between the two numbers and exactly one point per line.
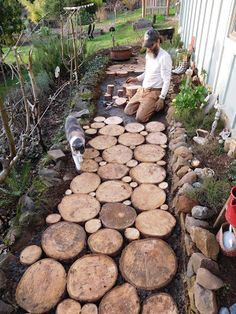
x=130, y=139
x=89, y=165
x=112, y=130
x=41, y=286
x=79, y=207
x=114, y=120
x=85, y=183
x=90, y=277
x=105, y=241
x=120, y=300
x=155, y=126
x=68, y=306
x=148, y=173
x=134, y=127
x=119, y=154
x=149, y=153
x=113, y=191
x=63, y=240
x=30, y=254
x=113, y=171
x=117, y=216
x=159, y=303
x=90, y=153
x=141, y=197
x=156, y=138
x=155, y=223
x=101, y=142
x=148, y=264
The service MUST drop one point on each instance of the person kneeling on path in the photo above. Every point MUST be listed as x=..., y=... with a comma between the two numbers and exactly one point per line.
x=156, y=80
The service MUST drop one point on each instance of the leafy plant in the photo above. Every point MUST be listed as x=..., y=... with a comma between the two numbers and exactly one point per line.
x=35, y=9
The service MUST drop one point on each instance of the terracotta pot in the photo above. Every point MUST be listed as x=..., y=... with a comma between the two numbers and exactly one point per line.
x=231, y=208
x=121, y=53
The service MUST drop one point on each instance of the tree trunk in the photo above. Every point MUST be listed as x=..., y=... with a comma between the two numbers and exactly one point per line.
x=143, y=8
x=167, y=7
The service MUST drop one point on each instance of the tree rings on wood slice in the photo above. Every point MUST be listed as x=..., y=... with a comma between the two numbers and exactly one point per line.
x=113, y=191
x=97, y=125
x=89, y=165
x=85, y=183
x=132, y=163
x=127, y=179
x=105, y=241
x=90, y=153
x=141, y=197
x=68, y=306
x=132, y=234
x=119, y=154
x=155, y=126
x=120, y=101
x=113, y=171
x=148, y=264
x=159, y=303
x=41, y=286
x=89, y=308
x=122, y=299
x=129, y=139
x=53, y=218
x=99, y=119
x=93, y=225
x=161, y=162
x=134, y=127
x=117, y=216
x=148, y=173
x=149, y=153
x=64, y=240
x=101, y=142
x=163, y=185
x=30, y=254
x=112, y=130
x=157, y=138
x=90, y=131
x=114, y=120
x=79, y=207
x=90, y=277
x=155, y=223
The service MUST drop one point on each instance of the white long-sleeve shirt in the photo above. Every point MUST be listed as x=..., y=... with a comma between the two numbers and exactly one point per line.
x=157, y=72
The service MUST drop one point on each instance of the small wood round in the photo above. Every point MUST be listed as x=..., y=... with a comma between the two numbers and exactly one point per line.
x=90, y=131
x=120, y=101
x=93, y=225
x=113, y=191
x=119, y=154
x=68, y=192
x=122, y=73
x=89, y=308
x=68, y=306
x=89, y=165
x=117, y=216
x=114, y=120
x=155, y=223
x=99, y=119
x=86, y=127
x=164, y=207
x=132, y=147
x=159, y=303
x=161, y=162
x=105, y=241
x=127, y=202
x=112, y=130
x=101, y=142
x=164, y=146
x=132, y=163
x=41, y=286
x=110, y=89
x=148, y=264
x=85, y=183
x=132, y=234
x=131, y=90
x=102, y=163
x=107, y=97
x=98, y=159
x=30, y=254
x=90, y=153
x=129, y=139
x=155, y=126
x=122, y=299
x=64, y=240
x=134, y=127
x=133, y=184
x=120, y=93
x=144, y=133
x=111, y=73
x=156, y=138
x=113, y=171
x=79, y=207
x=141, y=197
x=148, y=173
x=97, y=125
x=163, y=185
x=127, y=179
x=92, y=194
x=90, y=277
x=53, y=219
x=149, y=153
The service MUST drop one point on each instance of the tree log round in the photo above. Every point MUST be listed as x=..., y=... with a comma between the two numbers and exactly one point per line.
x=89, y=165
x=102, y=163
x=148, y=173
x=132, y=163
x=97, y=125
x=132, y=234
x=99, y=119
x=163, y=185
x=119, y=154
x=90, y=277
x=117, y=216
x=156, y=138
x=68, y=306
x=148, y=264
x=89, y=308
x=30, y=254
x=127, y=179
x=112, y=130
x=155, y=126
x=113, y=191
x=141, y=197
x=93, y=225
x=129, y=139
x=144, y=133
x=64, y=240
x=85, y=183
x=101, y=142
x=133, y=184
x=68, y=192
x=79, y=207
x=134, y=127
x=113, y=171
x=90, y=153
x=122, y=299
x=110, y=89
x=159, y=303
x=127, y=202
x=41, y=286
x=120, y=101
x=53, y=218
x=86, y=127
x=90, y=131
x=114, y=120
x=149, y=153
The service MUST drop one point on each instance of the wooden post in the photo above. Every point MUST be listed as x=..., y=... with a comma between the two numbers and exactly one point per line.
x=143, y=8
x=167, y=7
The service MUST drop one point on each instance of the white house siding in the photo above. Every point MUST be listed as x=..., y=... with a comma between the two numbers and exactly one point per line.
x=215, y=52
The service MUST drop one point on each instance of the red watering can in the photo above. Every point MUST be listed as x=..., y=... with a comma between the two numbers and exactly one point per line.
x=231, y=208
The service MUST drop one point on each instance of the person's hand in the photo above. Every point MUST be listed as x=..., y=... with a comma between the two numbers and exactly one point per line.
x=132, y=80
x=160, y=104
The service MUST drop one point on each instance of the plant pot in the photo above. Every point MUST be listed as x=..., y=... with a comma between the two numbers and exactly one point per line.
x=219, y=238
x=231, y=208
x=121, y=53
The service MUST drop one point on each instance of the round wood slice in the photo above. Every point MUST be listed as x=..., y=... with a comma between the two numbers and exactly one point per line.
x=79, y=207
x=119, y=154
x=30, y=254
x=149, y=153
x=132, y=234
x=132, y=163
x=90, y=131
x=148, y=173
x=53, y=218
x=144, y=133
x=127, y=202
x=129, y=139
x=163, y=185
x=97, y=125
x=133, y=184
x=117, y=216
x=120, y=101
x=105, y=241
x=155, y=126
x=85, y=183
x=89, y=165
x=157, y=138
x=99, y=119
x=98, y=159
x=161, y=162
x=164, y=207
x=89, y=308
x=122, y=299
x=41, y=286
x=113, y=191
x=68, y=306
x=101, y=142
x=90, y=277
x=134, y=127
x=63, y=240
x=68, y=192
x=93, y=225
x=102, y=163
x=86, y=127
x=155, y=223
x=141, y=197
x=113, y=171
x=159, y=303
x=90, y=153
x=114, y=120
x=127, y=179
x=112, y=130
x=132, y=147
x=148, y=264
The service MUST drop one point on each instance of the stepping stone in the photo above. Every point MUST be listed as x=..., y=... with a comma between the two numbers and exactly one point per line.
x=114, y=120
x=92, y=194
x=98, y=159
x=85, y=183
x=93, y=225
x=90, y=277
x=30, y=254
x=90, y=153
x=99, y=119
x=132, y=234
x=89, y=165
x=68, y=306
x=89, y=308
x=163, y=185
x=42, y=286
x=133, y=184
x=148, y=264
x=120, y=101
x=161, y=162
x=56, y=154
x=102, y=163
x=53, y=219
x=134, y=127
x=155, y=126
x=160, y=303
x=149, y=153
x=113, y=171
x=156, y=138
x=64, y=240
x=127, y=179
x=97, y=125
x=112, y=130
x=130, y=139
x=102, y=142
x=86, y=127
x=132, y=163
x=91, y=131
x=113, y=191
x=148, y=173
x=119, y=154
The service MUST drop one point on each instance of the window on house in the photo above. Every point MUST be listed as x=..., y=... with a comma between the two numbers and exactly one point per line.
x=232, y=31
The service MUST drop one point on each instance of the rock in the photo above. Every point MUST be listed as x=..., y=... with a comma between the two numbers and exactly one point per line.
x=170, y=114
x=56, y=154
x=223, y=310
x=45, y=172
x=202, y=212
x=195, y=163
x=196, y=259
x=180, y=162
x=189, y=245
x=68, y=177
x=190, y=271
x=28, y=218
x=207, y=280
x=184, y=204
x=233, y=309
x=192, y=222
x=5, y=260
x=210, y=265
x=6, y=308
x=26, y=203
x=3, y=280
x=185, y=188
x=181, y=138
x=13, y=233
x=142, y=23
x=175, y=146
x=205, y=300
x=183, y=152
x=204, y=173
x=190, y=177
x=182, y=171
